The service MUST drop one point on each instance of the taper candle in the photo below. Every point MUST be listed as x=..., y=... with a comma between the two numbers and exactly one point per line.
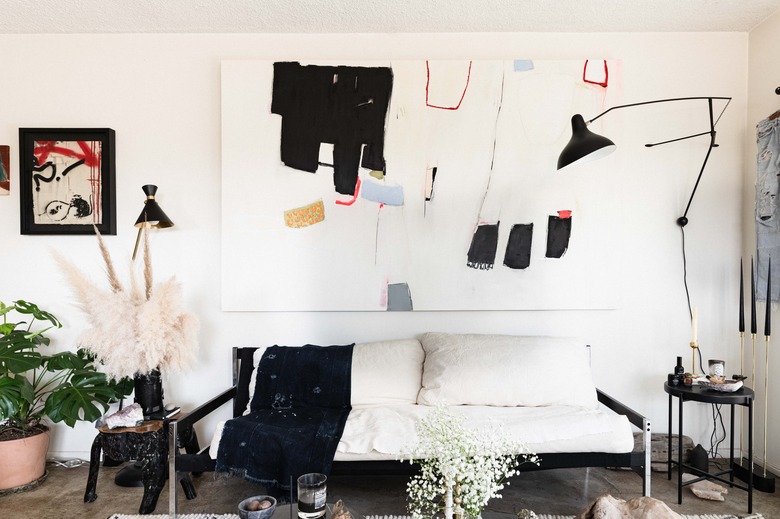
x=693, y=326
x=753, y=325
x=768, y=321
x=741, y=299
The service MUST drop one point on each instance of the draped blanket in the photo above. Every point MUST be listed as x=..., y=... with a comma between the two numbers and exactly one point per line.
x=298, y=411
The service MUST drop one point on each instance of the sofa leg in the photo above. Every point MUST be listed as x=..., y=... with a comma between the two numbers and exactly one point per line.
x=646, y=476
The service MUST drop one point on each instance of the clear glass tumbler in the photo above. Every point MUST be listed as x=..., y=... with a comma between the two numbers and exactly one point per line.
x=312, y=495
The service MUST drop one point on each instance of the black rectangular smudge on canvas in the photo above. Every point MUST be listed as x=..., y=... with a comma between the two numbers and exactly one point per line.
x=344, y=106
x=558, y=234
x=482, y=251
x=518, y=247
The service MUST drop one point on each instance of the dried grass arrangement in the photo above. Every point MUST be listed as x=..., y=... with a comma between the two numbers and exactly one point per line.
x=136, y=329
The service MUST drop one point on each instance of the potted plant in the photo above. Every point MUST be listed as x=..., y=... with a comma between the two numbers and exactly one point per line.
x=64, y=387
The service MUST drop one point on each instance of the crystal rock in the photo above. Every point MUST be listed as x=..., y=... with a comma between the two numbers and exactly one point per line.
x=130, y=416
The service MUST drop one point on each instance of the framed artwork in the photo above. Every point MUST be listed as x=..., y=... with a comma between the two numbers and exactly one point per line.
x=67, y=180
x=5, y=170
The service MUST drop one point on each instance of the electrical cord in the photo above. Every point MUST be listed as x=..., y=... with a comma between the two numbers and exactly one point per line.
x=715, y=441
x=67, y=463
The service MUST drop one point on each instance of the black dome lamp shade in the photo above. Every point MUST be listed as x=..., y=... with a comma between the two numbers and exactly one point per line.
x=584, y=145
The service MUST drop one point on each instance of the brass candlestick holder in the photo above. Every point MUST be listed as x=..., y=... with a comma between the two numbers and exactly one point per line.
x=694, y=347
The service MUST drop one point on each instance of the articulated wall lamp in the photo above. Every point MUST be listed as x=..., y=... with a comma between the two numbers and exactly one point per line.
x=151, y=217
x=585, y=145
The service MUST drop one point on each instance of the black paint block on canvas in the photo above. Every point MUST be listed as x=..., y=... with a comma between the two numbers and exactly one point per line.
x=343, y=106
x=558, y=234
x=518, y=247
x=482, y=252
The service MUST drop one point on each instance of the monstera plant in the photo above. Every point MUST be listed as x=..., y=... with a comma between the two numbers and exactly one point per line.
x=63, y=387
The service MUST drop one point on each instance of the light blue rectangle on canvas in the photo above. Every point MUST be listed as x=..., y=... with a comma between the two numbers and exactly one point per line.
x=523, y=65
x=388, y=195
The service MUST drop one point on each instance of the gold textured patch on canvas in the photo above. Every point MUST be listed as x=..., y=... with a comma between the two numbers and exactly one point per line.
x=305, y=216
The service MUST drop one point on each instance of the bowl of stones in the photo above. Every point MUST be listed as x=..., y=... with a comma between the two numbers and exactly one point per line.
x=257, y=507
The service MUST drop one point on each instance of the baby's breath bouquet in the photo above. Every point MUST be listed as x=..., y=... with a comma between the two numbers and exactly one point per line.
x=460, y=469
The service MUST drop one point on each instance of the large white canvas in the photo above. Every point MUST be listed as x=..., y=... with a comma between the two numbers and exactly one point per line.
x=496, y=161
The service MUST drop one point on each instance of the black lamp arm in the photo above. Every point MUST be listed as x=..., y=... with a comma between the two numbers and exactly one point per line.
x=683, y=220
x=710, y=99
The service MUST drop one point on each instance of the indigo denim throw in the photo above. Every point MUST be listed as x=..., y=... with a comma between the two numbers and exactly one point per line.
x=298, y=411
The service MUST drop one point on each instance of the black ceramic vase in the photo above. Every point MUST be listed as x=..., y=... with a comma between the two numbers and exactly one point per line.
x=149, y=392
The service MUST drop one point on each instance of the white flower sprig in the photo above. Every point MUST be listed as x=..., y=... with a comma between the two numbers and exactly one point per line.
x=473, y=464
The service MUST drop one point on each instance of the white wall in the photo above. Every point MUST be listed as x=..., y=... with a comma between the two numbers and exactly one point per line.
x=763, y=78
x=161, y=94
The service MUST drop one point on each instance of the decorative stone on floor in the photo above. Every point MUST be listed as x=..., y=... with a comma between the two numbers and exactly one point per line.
x=608, y=507
x=706, y=489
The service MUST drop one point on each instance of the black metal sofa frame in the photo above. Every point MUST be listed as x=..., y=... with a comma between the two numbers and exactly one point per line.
x=197, y=461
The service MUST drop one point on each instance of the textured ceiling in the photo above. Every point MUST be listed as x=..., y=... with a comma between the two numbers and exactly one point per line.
x=371, y=16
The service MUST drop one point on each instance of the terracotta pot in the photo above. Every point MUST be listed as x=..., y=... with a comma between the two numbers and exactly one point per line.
x=23, y=461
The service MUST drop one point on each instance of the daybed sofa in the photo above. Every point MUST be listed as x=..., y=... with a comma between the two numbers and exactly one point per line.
x=539, y=389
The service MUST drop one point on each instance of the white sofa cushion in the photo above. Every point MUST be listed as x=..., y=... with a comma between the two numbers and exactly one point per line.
x=502, y=370
x=387, y=372
x=389, y=432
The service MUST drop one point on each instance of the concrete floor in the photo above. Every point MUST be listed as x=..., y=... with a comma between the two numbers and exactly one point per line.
x=561, y=491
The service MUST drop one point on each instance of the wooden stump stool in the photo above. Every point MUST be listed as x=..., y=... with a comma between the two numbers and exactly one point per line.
x=147, y=443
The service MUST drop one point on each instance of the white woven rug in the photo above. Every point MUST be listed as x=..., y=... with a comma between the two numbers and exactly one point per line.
x=542, y=516
x=705, y=516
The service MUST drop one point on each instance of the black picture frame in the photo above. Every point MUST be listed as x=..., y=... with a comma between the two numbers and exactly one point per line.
x=67, y=180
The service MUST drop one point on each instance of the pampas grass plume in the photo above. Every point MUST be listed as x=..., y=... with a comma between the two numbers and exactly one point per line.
x=133, y=331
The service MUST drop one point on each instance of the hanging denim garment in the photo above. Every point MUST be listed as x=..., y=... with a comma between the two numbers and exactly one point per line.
x=767, y=217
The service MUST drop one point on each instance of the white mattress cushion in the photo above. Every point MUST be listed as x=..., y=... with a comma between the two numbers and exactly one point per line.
x=388, y=432
x=502, y=370
x=387, y=372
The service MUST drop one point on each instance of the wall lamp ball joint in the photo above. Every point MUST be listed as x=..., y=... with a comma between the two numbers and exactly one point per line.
x=585, y=145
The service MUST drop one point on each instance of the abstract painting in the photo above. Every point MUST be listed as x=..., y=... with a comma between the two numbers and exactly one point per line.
x=5, y=170
x=67, y=180
x=412, y=185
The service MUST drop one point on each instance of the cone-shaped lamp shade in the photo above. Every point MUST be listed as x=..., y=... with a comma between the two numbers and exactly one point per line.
x=584, y=145
x=152, y=215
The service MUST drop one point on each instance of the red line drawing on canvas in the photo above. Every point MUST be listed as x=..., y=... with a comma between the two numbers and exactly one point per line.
x=428, y=84
x=604, y=82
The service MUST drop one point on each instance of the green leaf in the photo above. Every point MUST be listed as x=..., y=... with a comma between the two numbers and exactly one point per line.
x=64, y=360
x=23, y=307
x=27, y=389
x=79, y=399
x=4, y=308
x=17, y=353
x=6, y=328
x=10, y=396
x=122, y=387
